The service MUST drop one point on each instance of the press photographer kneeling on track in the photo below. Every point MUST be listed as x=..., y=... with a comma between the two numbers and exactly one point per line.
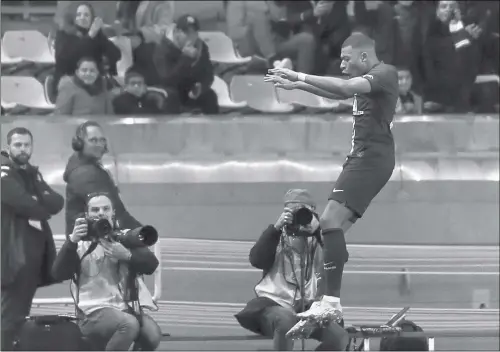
x=290, y=255
x=106, y=264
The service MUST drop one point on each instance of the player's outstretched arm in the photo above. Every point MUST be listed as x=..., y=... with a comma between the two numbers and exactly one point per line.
x=343, y=87
x=318, y=91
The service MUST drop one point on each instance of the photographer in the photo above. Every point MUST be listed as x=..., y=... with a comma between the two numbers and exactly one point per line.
x=85, y=174
x=106, y=284
x=290, y=255
x=28, y=248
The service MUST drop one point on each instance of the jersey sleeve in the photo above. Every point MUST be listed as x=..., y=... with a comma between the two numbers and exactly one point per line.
x=382, y=78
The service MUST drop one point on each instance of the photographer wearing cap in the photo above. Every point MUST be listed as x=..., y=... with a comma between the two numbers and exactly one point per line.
x=85, y=174
x=290, y=255
x=106, y=269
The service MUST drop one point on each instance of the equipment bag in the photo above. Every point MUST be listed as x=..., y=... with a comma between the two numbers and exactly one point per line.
x=50, y=333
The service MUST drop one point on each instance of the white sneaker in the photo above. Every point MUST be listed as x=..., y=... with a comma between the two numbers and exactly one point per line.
x=320, y=314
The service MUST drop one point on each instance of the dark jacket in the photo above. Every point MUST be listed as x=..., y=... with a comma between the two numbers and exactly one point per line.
x=19, y=186
x=128, y=104
x=67, y=262
x=176, y=70
x=71, y=47
x=84, y=176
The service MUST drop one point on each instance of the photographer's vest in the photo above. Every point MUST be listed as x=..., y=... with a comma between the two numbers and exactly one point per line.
x=102, y=282
x=282, y=283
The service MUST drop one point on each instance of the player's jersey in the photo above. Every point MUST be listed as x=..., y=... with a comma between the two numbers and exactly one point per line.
x=373, y=113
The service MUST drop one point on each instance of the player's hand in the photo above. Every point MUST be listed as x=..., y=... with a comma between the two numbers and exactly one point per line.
x=284, y=73
x=95, y=27
x=280, y=82
x=285, y=218
x=115, y=250
x=79, y=231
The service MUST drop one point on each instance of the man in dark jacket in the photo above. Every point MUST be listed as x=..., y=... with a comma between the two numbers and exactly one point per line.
x=85, y=174
x=28, y=248
x=184, y=67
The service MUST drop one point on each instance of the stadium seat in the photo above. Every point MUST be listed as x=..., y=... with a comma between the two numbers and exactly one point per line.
x=221, y=89
x=9, y=60
x=487, y=79
x=25, y=91
x=306, y=99
x=259, y=95
x=28, y=45
x=221, y=48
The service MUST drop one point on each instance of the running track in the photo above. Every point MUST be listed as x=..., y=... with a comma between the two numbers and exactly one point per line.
x=205, y=282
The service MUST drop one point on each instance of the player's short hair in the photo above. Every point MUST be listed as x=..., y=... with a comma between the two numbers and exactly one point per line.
x=18, y=130
x=359, y=40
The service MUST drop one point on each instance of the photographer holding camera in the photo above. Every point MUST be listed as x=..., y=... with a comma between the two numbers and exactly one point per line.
x=290, y=255
x=105, y=264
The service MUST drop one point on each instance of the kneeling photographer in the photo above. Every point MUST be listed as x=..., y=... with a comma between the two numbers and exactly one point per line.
x=106, y=265
x=290, y=255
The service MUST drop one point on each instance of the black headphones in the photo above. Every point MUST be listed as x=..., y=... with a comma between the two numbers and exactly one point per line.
x=77, y=142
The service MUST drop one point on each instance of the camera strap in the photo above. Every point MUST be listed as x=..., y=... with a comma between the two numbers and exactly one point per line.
x=76, y=277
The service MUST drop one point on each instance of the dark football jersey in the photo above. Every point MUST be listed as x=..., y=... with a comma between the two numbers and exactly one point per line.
x=373, y=113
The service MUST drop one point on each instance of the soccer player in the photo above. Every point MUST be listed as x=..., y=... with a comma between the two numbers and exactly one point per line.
x=369, y=165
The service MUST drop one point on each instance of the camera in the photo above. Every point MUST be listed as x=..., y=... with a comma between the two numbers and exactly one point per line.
x=97, y=229
x=144, y=236
x=300, y=217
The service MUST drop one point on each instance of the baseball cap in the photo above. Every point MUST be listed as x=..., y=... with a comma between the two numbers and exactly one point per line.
x=299, y=196
x=185, y=22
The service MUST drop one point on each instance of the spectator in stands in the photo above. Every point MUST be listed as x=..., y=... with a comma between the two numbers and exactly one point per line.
x=135, y=100
x=409, y=102
x=85, y=93
x=184, y=68
x=402, y=343
x=377, y=20
x=270, y=30
x=145, y=23
x=81, y=36
x=450, y=61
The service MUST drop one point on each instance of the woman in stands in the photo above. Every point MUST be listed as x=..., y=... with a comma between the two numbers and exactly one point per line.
x=86, y=93
x=81, y=36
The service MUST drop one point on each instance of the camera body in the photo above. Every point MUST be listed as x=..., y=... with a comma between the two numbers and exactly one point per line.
x=144, y=236
x=301, y=217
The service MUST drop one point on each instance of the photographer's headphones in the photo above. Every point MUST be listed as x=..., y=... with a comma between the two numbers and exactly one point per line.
x=77, y=142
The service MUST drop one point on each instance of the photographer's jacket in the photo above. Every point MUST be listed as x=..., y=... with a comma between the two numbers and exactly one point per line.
x=25, y=229
x=84, y=176
x=282, y=275
x=103, y=280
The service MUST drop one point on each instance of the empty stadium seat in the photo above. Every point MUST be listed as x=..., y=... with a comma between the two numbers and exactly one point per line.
x=9, y=60
x=487, y=79
x=307, y=99
x=25, y=91
x=259, y=95
x=221, y=89
x=28, y=45
x=221, y=48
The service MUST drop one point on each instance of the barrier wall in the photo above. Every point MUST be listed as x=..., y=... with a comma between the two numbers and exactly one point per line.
x=224, y=177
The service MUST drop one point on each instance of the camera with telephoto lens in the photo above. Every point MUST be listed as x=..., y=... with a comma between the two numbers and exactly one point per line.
x=97, y=229
x=144, y=236
x=300, y=217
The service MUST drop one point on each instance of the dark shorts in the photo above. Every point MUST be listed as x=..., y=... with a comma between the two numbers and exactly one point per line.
x=360, y=181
